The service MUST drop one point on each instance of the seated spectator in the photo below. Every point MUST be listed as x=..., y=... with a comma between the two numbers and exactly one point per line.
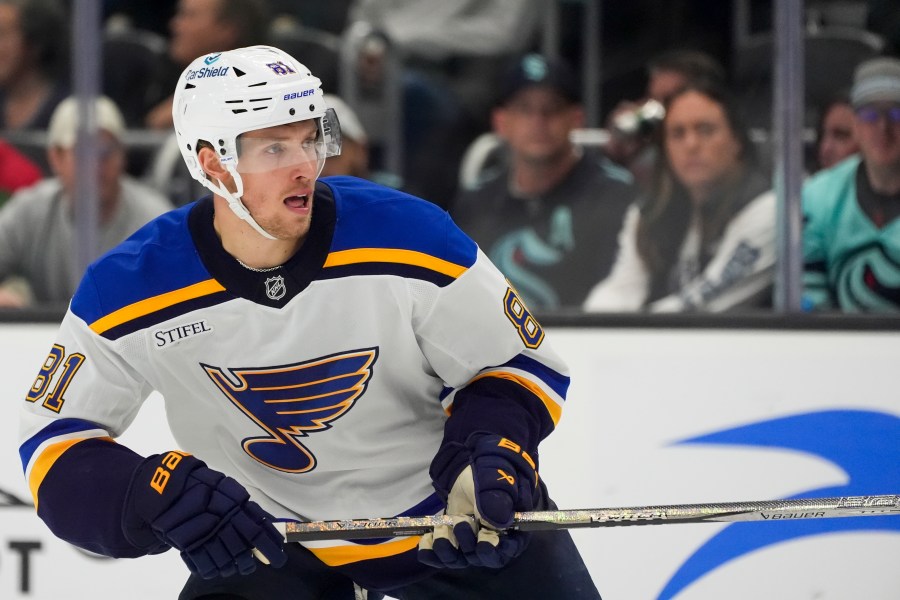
x=836, y=139
x=548, y=219
x=464, y=45
x=703, y=239
x=354, y=157
x=451, y=53
x=37, y=225
x=200, y=27
x=633, y=124
x=851, y=236
x=16, y=171
x=33, y=65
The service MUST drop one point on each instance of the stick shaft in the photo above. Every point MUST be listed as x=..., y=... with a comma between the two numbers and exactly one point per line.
x=767, y=510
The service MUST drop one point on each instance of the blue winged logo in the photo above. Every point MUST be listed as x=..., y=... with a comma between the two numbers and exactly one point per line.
x=862, y=443
x=288, y=402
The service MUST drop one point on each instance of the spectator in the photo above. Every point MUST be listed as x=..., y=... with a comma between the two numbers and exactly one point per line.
x=548, y=220
x=851, y=237
x=354, y=157
x=704, y=238
x=633, y=124
x=836, y=139
x=201, y=27
x=16, y=171
x=464, y=44
x=451, y=53
x=37, y=224
x=33, y=66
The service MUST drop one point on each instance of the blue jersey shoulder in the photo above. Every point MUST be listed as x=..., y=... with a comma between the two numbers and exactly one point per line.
x=157, y=259
x=373, y=216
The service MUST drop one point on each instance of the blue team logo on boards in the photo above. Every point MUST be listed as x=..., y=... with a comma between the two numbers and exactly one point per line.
x=864, y=444
x=288, y=402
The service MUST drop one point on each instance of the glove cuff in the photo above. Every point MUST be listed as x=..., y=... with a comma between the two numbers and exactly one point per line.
x=156, y=484
x=448, y=463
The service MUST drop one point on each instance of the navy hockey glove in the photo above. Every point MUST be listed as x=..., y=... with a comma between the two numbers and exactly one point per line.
x=175, y=498
x=497, y=478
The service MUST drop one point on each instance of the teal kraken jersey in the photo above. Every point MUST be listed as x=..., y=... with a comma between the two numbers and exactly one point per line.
x=850, y=262
x=323, y=385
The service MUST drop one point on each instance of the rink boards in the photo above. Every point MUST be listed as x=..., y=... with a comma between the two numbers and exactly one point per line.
x=654, y=416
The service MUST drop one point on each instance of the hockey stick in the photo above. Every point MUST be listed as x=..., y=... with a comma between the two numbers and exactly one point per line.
x=730, y=512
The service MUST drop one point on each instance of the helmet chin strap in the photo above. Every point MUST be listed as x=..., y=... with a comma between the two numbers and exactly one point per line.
x=235, y=204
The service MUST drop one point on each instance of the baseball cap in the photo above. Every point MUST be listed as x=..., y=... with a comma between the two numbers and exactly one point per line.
x=63, y=128
x=537, y=70
x=876, y=80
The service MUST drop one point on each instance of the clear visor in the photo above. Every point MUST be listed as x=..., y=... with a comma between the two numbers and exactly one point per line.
x=301, y=146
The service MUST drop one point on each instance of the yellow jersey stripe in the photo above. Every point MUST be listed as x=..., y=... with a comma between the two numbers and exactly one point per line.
x=394, y=255
x=553, y=408
x=155, y=303
x=46, y=460
x=342, y=555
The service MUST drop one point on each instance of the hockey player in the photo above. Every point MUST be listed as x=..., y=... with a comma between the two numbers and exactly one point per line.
x=326, y=350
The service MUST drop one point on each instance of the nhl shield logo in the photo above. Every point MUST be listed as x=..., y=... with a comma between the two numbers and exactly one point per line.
x=275, y=288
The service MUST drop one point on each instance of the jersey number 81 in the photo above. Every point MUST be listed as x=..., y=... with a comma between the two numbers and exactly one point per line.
x=55, y=400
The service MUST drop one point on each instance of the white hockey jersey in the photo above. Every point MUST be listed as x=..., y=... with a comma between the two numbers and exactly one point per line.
x=323, y=386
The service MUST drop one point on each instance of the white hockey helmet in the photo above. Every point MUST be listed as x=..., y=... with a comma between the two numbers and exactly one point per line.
x=219, y=96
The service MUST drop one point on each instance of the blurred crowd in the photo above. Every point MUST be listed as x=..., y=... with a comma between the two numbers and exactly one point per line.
x=666, y=206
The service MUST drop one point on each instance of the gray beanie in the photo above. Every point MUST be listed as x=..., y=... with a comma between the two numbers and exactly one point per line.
x=876, y=80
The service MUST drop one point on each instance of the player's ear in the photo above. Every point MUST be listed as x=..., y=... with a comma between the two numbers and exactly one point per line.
x=209, y=162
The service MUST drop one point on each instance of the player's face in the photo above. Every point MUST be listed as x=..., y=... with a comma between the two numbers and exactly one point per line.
x=536, y=124
x=878, y=133
x=278, y=167
x=700, y=144
x=838, y=139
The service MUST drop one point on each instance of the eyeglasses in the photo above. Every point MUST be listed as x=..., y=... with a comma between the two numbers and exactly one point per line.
x=871, y=115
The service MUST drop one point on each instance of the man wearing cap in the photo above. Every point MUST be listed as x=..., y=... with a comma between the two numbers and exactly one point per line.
x=548, y=217
x=851, y=237
x=37, y=224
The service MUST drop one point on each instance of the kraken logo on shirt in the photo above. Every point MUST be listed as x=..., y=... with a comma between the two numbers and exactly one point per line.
x=288, y=402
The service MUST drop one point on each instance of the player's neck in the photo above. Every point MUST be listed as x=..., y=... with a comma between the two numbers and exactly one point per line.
x=245, y=244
